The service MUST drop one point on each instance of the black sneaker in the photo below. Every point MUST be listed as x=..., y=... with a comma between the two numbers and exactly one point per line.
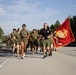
x=46, y=54
x=55, y=50
x=44, y=57
x=40, y=50
x=50, y=54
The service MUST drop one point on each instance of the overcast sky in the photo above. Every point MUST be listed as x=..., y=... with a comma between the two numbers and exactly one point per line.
x=13, y=13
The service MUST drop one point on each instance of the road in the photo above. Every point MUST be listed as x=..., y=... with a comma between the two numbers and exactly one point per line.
x=68, y=50
x=60, y=63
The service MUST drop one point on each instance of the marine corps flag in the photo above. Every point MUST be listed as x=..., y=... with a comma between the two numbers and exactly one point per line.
x=63, y=35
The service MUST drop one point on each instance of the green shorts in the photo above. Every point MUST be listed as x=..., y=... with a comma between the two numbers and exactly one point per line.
x=24, y=40
x=46, y=42
x=13, y=41
x=51, y=41
x=18, y=43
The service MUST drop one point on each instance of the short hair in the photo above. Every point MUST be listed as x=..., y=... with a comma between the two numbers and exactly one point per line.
x=24, y=25
x=18, y=29
x=14, y=29
x=34, y=29
x=45, y=23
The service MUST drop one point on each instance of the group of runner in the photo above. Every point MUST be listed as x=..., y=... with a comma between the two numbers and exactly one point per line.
x=21, y=39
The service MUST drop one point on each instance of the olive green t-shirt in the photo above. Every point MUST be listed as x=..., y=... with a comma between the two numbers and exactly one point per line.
x=34, y=36
x=13, y=35
x=24, y=33
x=18, y=36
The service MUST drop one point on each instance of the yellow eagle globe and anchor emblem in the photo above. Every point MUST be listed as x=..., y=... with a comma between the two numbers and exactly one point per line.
x=61, y=33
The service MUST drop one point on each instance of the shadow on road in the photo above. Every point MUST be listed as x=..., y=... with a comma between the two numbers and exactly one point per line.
x=74, y=50
x=5, y=53
x=8, y=53
x=36, y=55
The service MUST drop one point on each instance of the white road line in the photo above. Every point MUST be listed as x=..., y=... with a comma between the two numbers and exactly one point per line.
x=3, y=63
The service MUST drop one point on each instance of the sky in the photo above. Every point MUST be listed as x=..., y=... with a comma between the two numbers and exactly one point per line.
x=34, y=13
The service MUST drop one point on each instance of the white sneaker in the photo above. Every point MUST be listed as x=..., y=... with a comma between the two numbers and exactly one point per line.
x=33, y=53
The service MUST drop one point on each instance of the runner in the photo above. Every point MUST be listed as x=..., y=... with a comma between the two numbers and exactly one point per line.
x=18, y=39
x=24, y=39
x=45, y=32
x=34, y=37
x=13, y=40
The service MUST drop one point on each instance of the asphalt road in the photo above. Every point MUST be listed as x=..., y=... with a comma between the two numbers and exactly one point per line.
x=60, y=63
x=71, y=51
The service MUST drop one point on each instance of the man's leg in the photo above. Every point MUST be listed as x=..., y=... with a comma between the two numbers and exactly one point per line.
x=44, y=51
x=13, y=48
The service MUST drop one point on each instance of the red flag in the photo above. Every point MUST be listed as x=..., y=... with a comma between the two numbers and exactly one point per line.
x=63, y=34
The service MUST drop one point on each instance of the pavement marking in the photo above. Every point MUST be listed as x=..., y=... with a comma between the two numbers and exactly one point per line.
x=3, y=63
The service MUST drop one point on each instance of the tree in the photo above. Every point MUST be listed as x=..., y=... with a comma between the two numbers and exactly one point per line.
x=52, y=27
x=1, y=32
x=73, y=25
x=55, y=26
